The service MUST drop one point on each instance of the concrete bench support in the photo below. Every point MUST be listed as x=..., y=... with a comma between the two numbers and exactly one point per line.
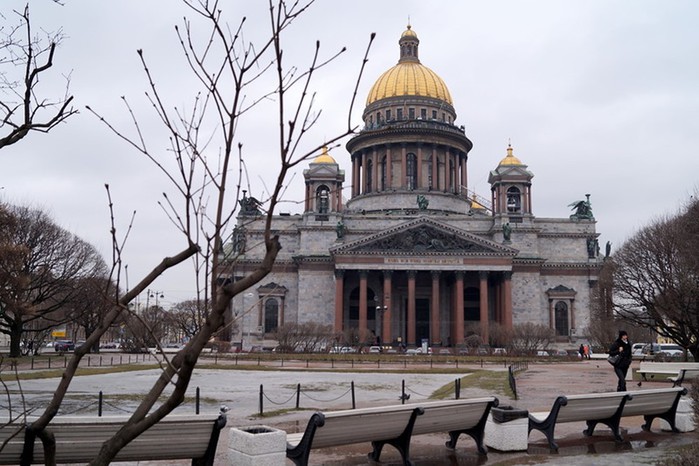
x=257, y=446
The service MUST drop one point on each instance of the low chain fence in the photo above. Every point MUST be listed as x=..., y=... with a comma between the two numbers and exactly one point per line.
x=296, y=394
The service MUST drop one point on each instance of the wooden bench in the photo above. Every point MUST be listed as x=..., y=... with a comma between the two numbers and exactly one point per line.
x=79, y=439
x=608, y=409
x=666, y=369
x=392, y=425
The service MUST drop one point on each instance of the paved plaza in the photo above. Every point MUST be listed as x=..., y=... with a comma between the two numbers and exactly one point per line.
x=239, y=390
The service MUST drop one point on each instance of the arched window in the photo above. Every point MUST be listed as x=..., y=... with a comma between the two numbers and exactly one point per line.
x=271, y=315
x=323, y=199
x=412, y=171
x=514, y=200
x=561, y=318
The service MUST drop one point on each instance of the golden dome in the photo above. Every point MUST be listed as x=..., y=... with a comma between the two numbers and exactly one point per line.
x=510, y=159
x=409, y=33
x=409, y=79
x=324, y=157
x=409, y=76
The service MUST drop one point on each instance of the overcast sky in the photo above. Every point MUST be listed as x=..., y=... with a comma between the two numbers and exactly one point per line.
x=598, y=97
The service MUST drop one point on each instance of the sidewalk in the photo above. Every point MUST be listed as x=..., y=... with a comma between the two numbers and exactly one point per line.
x=537, y=389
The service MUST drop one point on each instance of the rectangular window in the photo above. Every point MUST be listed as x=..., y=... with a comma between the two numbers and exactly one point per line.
x=388, y=114
x=434, y=114
x=423, y=113
x=411, y=113
x=399, y=113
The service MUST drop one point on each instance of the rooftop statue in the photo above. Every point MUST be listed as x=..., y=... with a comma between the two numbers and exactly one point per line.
x=583, y=209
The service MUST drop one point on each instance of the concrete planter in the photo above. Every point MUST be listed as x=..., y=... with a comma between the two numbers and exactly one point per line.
x=257, y=446
x=684, y=419
x=507, y=429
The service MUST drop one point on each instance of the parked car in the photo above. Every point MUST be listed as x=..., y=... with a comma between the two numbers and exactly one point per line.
x=63, y=345
x=637, y=348
x=667, y=349
x=374, y=349
x=543, y=353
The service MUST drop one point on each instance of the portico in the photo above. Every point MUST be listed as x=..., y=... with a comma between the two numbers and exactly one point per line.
x=430, y=281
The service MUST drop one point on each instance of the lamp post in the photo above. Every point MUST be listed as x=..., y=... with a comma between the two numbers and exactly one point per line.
x=242, y=327
x=379, y=323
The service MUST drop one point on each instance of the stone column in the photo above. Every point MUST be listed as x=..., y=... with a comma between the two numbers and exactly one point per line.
x=507, y=311
x=459, y=315
x=386, y=336
x=355, y=174
x=435, y=168
x=339, y=301
x=389, y=168
x=377, y=170
x=362, y=306
x=404, y=167
x=464, y=172
x=572, y=314
x=419, y=184
x=364, y=173
x=434, y=312
x=483, y=282
x=411, y=307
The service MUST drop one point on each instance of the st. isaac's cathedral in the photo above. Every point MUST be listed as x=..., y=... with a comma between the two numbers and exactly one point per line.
x=413, y=256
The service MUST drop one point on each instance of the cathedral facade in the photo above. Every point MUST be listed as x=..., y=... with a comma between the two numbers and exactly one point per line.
x=413, y=256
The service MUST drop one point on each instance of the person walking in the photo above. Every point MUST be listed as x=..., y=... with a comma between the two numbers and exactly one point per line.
x=621, y=347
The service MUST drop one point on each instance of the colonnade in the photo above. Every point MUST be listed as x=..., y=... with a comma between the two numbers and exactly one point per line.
x=411, y=305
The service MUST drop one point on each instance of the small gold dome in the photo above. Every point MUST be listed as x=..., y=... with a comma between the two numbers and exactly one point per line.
x=510, y=159
x=324, y=157
x=409, y=33
x=409, y=77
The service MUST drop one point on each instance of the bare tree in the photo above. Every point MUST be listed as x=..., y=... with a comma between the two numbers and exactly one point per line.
x=529, y=337
x=26, y=57
x=656, y=278
x=309, y=337
x=90, y=302
x=40, y=273
x=188, y=317
x=204, y=159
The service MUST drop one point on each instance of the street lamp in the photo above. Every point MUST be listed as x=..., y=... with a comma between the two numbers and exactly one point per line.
x=242, y=327
x=379, y=323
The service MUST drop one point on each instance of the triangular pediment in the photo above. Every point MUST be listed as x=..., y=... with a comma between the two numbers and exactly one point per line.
x=322, y=170
x=424, y=236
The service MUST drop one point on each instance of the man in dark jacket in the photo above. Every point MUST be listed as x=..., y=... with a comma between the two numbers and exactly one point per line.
x=622, y=347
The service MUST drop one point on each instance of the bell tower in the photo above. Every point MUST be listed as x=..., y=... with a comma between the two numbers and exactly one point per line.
x=510, y=186
x=323, y=186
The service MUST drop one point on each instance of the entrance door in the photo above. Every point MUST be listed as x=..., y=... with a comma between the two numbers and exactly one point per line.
x=422, y=320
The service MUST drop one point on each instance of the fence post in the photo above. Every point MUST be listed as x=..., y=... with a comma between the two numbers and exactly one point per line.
x=32, y=362
x=354, y=404
x=298, y=394
x=261, y=392
x=196, y=402
x=88, y=361
x=99, y=404
x=49, y=362
x=402, y=392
